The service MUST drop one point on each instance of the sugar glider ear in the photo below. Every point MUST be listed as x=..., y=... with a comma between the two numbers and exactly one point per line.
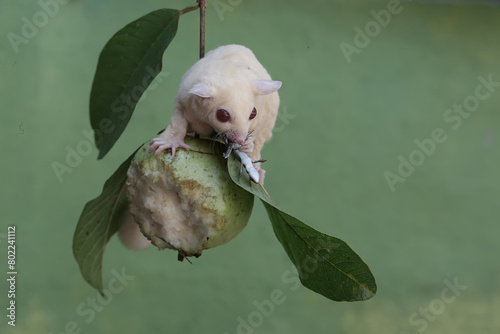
x=265, y=87
x=202, y=90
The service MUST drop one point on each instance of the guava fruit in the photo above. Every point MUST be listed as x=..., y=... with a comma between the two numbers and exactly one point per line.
x=187, y=202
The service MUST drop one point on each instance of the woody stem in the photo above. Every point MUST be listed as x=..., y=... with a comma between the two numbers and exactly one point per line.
x=203, y=6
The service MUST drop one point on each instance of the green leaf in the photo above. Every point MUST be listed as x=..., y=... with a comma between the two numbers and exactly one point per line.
x=326, y=265
x=98, y=221
x=127, y=65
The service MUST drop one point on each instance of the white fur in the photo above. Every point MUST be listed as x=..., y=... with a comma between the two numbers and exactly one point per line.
x=231, y=78
x=130, y=234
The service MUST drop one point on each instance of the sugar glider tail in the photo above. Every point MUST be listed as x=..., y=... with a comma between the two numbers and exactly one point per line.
x=130, y=235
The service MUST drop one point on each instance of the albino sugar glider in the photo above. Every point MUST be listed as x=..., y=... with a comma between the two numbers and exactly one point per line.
x=227, y=93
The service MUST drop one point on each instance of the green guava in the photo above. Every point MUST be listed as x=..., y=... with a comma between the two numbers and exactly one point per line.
x=187, y=202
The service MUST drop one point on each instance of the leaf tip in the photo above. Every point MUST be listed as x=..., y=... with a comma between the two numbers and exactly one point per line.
x=102, y=153
x=366, y=293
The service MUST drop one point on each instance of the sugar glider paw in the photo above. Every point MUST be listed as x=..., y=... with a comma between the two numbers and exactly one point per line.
x=247, y=146
x=262, y=174
x=160, y=144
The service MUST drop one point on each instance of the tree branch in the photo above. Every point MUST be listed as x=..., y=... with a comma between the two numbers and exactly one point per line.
x=203, y=6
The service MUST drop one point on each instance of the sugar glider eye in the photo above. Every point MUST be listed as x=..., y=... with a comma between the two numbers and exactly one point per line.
x=253, y=114
x=223, y=116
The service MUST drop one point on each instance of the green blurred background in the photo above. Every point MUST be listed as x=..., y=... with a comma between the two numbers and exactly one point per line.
x=342, y=126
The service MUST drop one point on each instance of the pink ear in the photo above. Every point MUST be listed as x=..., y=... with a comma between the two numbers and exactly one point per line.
x=202, y=90
x=265, y=87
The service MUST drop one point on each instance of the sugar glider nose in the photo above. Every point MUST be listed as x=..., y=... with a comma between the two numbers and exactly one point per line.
x=239, y=140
